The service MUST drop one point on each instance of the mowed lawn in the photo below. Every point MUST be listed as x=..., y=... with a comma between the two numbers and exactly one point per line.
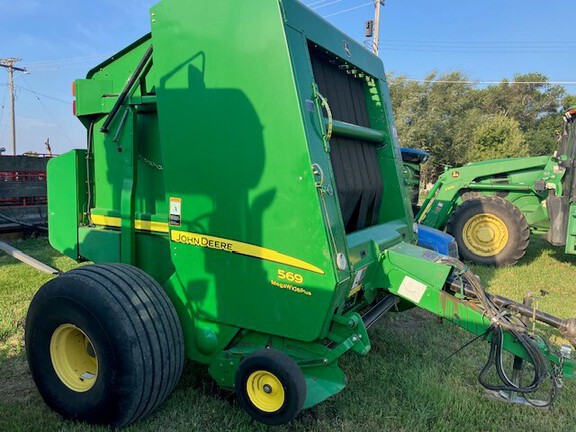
x=404, y=384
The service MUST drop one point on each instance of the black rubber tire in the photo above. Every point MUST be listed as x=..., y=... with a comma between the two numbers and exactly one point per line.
x=513, y=218
x=469, y=195
x=135, y=333
x=289, y=374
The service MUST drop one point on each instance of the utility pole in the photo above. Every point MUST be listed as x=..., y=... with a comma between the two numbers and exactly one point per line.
x=9, y=64
x=376, y=42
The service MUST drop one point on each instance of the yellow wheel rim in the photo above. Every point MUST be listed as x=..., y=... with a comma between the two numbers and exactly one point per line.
x=265, y=391
x=74, y=358
x=485, y=235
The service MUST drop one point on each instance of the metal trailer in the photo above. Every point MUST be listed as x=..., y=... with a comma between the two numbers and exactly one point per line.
x=246, y=186
x=22, y=192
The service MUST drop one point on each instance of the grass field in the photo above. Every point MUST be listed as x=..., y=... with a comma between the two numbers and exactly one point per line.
x=404, y=384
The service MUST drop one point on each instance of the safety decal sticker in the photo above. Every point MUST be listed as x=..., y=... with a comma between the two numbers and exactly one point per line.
x=412, y=290
x=175, y=212
x=358, y=280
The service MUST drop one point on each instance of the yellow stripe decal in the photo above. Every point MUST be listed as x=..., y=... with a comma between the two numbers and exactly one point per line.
x=241, y=248
x=141, y=225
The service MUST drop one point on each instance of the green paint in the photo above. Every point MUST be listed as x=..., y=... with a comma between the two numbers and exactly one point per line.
x=226, y=122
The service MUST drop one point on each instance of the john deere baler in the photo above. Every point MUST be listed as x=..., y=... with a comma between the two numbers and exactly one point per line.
x=243, y=184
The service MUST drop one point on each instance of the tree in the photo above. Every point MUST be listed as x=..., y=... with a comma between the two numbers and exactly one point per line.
x=497, y=137
x=453, y=120
x=430, y=115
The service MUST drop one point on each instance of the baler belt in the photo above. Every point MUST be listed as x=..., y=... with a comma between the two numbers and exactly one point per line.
x=354, y=161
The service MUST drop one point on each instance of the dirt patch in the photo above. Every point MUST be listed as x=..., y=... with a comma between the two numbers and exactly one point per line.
x=16, y=385
x=409, y=322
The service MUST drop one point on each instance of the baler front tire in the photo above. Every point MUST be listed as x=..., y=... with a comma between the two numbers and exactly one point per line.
x=104, y=344
x=490, y=230
x=270, y=387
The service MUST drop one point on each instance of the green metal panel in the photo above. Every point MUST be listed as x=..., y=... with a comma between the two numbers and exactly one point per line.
x=89, y=94
x=99, y=244
x=246, y=178
x=66, y=200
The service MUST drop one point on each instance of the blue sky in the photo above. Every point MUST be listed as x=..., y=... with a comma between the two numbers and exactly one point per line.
x=60, y=40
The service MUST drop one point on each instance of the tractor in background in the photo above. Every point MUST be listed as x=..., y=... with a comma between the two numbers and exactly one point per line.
x=492, y=207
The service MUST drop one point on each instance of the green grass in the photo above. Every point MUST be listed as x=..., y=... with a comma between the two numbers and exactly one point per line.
x=404, y=384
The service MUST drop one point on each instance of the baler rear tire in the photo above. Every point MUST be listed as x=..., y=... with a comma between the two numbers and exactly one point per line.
x=132, y=338
x=286, y=383
x=504, y=213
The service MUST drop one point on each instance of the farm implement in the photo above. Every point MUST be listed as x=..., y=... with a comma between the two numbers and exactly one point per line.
x=242, y=198
x=491, y=207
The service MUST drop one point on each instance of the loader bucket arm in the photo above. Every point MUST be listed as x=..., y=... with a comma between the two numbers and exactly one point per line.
x=440, y=201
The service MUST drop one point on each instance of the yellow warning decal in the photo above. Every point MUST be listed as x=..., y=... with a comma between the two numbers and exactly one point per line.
x=240, y=248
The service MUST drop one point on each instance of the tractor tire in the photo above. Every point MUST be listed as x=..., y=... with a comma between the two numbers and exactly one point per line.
x=490, y=230
x=271, y=387
x=104, y=344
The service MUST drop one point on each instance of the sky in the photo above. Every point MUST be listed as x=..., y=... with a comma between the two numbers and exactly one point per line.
x=60, y=40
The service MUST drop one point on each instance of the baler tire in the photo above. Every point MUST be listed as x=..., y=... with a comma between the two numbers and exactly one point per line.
x=128, y=328
x=504, y=213
x=286, y=383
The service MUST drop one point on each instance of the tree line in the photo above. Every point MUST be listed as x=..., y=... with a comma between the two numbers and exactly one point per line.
x=457, y=122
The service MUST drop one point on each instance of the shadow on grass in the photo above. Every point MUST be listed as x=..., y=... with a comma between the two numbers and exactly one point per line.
x=16, y=385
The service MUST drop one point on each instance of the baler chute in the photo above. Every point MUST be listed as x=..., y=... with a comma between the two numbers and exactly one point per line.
x=250, y=183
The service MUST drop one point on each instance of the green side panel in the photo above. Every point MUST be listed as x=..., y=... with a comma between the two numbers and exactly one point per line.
x=153, y=254
x=66, y=200
x=234, y=145
x=204, y=340
x=118, y=68
x=152, y=250
x=99, y=245
x=323, y=382
x=89, y=94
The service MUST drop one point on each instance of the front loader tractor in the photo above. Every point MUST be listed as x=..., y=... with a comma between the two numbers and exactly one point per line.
x=492, y=207
x=242, y=200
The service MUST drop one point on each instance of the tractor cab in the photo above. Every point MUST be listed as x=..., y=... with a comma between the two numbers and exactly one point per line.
x=561, y=208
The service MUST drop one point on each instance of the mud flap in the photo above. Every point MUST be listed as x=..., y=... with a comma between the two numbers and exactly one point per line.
x=558, y=210
x=571, y=231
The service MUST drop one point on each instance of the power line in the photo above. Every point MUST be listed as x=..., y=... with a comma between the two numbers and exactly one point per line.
x=43, y=95
x=50, y=114
x=67, y=60
x=477, y=51
x=315, y=3
x=432, y=81
x=348, y=10
x=453, y=42
x=327, y=4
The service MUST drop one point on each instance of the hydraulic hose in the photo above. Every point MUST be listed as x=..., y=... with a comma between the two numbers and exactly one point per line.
x=502, y=320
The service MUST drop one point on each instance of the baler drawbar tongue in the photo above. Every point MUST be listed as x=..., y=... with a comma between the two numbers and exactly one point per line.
x=508, y=316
